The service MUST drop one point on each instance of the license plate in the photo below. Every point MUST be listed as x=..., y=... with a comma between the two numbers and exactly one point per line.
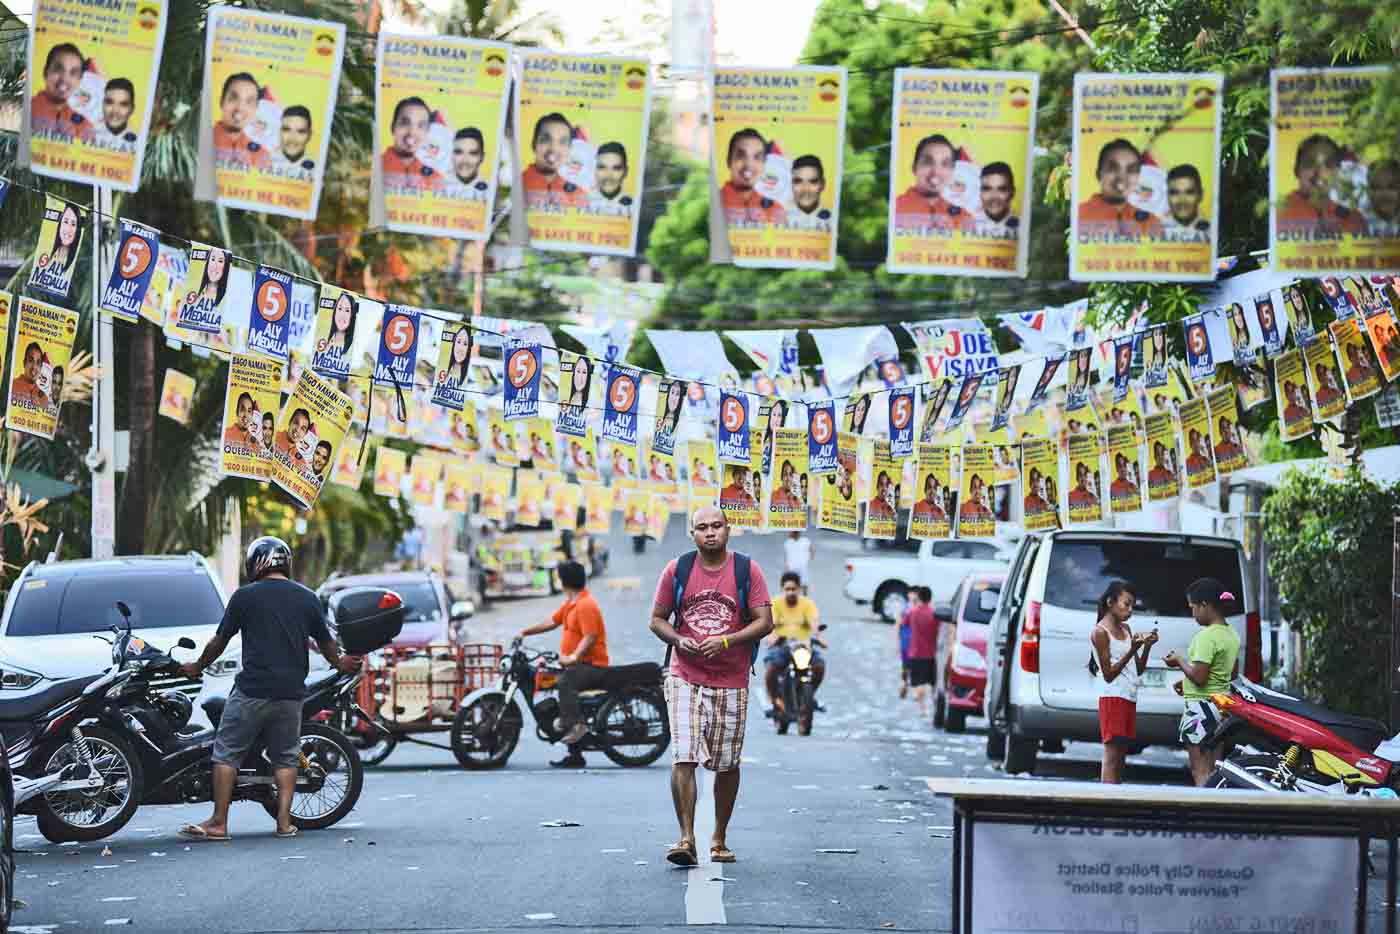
x=1154, y=678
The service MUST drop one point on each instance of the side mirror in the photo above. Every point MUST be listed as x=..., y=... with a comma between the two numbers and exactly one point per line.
x=821, y=628
x=123, y=609
x=987, y=600
x=186, y=643
x=462, y=609
x=366, y=618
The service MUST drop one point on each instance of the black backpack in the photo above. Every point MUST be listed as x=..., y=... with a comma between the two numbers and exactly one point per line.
x=742, y=578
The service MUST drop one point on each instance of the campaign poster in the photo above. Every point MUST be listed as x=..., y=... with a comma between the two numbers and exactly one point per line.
x=1122, y=366
x=539, y=439
x=390, y=464
x=1125, y=465
x=840, y=510
x=1164, y=474
x=1359, y=370
x=660, y=469
x=201, y=295
x=1225, y=439
x=732, y=445
x=1145, y=177
x=1331, y=211
x=398, y=346
x=788, y=481
x=658, y=516
x=440, y=113
x=251, y=404
x=575, y=386
x=857, y=411
x=772, y=415
x=1127, y=411
x=529, y=497
x=309, y=432
x=523, y=371
x=92, y=73
x=621, y=460
x=335, y=352
x=1040, y=482
x=503, y=447
x=975, y=516
x=777, y=143
x=581, y=128
x=1268, y=318
x=349, y=467
x=620, y=405
x=1295, y=417
x=43, y=344
x=567, y=499
x=57, y=249
x=742, y=496
x=1086, y=493
x=1155, y=360
x=456, y=493
x=670, y=402
x=821, y=437
x=452, y=375
x=176, y=396
x=580, y=457
x=1324, y=378
x=634, y=511
x=1200, y=360
x=882, y=507
x=901, y=422
x=1039, y=393
x=268, y=332
x=1195, y=431
x=961, y=159
x=1006, y=394
x=598, y=508
x=704, y=473
x=131, y=271
x=1295, y=308
x=1385, y=339
x=7, y=304
x=967, y=395
x=953, y=347
x=931, y=515
x=935, y=400
x=270, y=85
x=495, y=491
x=423, y=473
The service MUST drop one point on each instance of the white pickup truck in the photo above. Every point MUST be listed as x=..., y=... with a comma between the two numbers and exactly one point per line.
x=882, y=579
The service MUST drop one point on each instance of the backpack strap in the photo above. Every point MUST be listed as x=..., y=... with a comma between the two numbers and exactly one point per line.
x=684, y=565
x=743, y=578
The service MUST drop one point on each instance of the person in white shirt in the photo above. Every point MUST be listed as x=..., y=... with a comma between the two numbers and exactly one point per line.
x=118, y=101
x=1183, y=220
x=808, y=184
x=997, y=190
x=294, y=133
x=797, y=556
x=609, y=172
x=468, y=152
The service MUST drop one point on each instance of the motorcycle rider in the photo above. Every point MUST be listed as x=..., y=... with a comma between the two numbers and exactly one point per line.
x=583, y=652
x=276, y=616
x=795, y=619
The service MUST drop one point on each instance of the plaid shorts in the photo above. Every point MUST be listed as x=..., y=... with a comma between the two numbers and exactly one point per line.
x=707, y=724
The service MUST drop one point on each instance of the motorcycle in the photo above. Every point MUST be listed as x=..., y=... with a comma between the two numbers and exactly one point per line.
x=1300, y=747
x=796, y=689
x=626, y=718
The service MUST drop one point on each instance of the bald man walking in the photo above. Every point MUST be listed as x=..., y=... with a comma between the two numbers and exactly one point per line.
x=712, y=610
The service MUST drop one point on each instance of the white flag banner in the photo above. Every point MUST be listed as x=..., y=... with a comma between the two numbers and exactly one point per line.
x=953, y=347
x=773, y=352
x=846, y=352
x=609, y=343
x=696, y=355
x=493, y=332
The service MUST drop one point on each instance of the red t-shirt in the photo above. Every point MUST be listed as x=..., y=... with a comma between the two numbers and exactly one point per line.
x=710, y=607
x=923, y=632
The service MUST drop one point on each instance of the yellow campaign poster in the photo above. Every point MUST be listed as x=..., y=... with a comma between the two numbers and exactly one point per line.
x=462, y=428
x=56, y=251
x=1125, y=462
x=440, y=115
x=1040, y=485
x=1085, y=493
x=1295, y=417
x=309, y=432
x=503, y=444
x=658, y=516
x=92, y=77
x=1195, y=431
x=1145, y=183
x=581, y=456
x=44, y=337
x=349, y=467
x=1324, y=378
x=539, y=435
x=390, y=464
x=567, y=498
x=741, y=498
x=581, y=123
x=1225, y=439
x=598, y=501
x=1359, y=370
x=788, y=480
x=975, y=516
x=1385, y=339
x=1164, y=473
x=634, y=511
x=269, y=95
x=423, y=473
x=840, y=510
x=960, y=171
x=529, y=497
x=7, y=304
x=1331, y=210
x=251, y=404
x=704, y=473
x=200, y=299
x=457, y=489
x=778, y=138
x=337, y=318
x=881, y=509
x=176, y=396
x=931, y=516
x=495, y=491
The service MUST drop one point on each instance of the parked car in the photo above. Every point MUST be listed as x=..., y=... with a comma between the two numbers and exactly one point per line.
x=964, y=678
x=7, y=842
x=433, y=615
x=882, y=580
x=1039, y=689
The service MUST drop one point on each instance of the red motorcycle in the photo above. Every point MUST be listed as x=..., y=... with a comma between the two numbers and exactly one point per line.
x=1300, y=746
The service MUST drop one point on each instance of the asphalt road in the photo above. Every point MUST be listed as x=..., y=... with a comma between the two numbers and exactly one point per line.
x=434, y=848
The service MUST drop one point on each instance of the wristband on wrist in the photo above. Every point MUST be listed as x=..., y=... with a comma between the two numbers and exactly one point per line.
x=725, y=639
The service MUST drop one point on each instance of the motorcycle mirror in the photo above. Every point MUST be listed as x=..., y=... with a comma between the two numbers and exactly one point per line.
x=185, y=643
x=821, y=628
x=123, y=609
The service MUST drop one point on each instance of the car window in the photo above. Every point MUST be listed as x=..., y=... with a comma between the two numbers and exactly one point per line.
x=1160, y=572
x=947, y=549
x=981, y=551
x=84, y=603
x=420, y=602
x=910, y=545
x=972, y=610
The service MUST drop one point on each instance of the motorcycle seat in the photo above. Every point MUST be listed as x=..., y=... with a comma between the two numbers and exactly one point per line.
x=622, y=676
x=33, y=705
x=319, y=679
x=1362, y=732
x=214, y=708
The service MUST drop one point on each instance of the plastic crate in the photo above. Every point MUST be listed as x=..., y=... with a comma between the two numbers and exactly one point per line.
x=415, y=687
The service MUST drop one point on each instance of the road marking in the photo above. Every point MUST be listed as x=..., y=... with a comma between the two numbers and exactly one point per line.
x=704, y=896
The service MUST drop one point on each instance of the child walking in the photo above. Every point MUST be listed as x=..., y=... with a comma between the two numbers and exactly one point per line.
x=1119, y=658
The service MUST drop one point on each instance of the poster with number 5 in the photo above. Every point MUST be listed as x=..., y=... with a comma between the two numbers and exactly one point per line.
x=268, y=322
x=620, y=414
x=522, y=392
x=901, y=422
x=131, y=273
x=398, y=347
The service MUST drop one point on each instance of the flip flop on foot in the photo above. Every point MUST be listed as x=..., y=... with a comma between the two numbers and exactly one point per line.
x=682, y=854
x=196, y=832
x=719, y=853
x=286, y=834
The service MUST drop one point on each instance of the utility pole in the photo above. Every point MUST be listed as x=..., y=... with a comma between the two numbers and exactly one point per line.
x=101, y=459
x=1393, y=682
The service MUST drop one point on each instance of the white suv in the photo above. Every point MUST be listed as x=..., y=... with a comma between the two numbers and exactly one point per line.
x=1039, y=689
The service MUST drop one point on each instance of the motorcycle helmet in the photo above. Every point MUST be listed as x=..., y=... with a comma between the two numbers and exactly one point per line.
x=175, y=707
x=265, y=555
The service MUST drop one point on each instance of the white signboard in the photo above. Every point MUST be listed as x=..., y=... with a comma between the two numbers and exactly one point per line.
x=1086, y=878
x=1388, y=407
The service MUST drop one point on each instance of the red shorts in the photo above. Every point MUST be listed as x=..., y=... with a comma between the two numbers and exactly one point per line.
x=1117, y=720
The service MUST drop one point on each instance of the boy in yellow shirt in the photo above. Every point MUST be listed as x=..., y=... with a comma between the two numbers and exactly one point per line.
x=795, y=619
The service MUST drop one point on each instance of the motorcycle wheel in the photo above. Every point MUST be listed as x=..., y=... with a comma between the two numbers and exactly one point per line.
x=343, y=773
x=955, y=720
x=7, y=862
x=633, y=731
x=67, y=816
x=373, y=752
x=806, y=708
x=474, y=743
x=1260, y=766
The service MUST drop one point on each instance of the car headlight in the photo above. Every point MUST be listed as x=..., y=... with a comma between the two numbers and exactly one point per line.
x=964, y=657
x=222, y=667
x=15, y=678
x=505, y=664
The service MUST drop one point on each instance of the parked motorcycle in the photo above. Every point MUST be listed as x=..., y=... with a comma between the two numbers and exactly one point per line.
x=1300, y=746
x=626, y=718
x=797, y=690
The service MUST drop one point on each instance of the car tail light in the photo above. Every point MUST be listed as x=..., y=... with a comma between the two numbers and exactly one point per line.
x=1030, y=638
x=850, y=569
x=390, y=601
x=1253, y=648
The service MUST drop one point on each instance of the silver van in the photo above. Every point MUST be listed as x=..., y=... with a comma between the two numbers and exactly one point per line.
x=1039, y=689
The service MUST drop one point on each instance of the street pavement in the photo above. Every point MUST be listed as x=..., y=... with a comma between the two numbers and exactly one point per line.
x=431, y=847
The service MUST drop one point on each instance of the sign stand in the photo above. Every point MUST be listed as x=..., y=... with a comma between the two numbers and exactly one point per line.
x=100, y=459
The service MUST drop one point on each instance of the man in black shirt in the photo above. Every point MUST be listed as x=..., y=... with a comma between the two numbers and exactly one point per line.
x=276, y=617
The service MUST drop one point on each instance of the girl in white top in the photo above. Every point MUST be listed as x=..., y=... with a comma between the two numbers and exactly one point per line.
x=1118, y=661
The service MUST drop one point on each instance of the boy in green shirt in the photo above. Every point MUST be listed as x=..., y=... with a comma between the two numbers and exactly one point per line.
x=1208, y=667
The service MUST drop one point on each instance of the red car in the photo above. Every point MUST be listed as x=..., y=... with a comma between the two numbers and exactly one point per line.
x=963, y=680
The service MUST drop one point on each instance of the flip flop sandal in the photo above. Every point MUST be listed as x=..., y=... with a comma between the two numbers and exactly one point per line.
x=722, y=854
x=288, y=834
x=200, y=835
x=682, y=854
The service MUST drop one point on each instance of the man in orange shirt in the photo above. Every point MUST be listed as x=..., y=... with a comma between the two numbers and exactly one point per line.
x=238, y=433
x=1119, y=168
x=583, y=652
x=1310, y=203
x=1122, y=488
x=923, y=204
x=238, y=105
x=289, y=440
x=26, y=384
x=737, y=494
x=544, y=186
x=1159, y=475
x=399, y=164
x=49, y=113
x=748, y=151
